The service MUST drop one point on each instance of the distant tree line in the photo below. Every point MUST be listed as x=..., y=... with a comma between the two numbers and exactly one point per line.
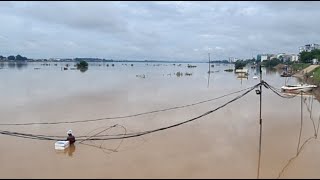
x=239, y=64
x=220, y=61
x=271, y=63
x=14, y=58
x=307, y=57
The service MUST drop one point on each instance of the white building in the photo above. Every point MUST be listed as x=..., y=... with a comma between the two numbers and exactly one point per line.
x=309, y=47
x=233, y=59
x=294, y=58
x=315, y=61
x=280, y=55
x=271, y=56
x=264, y=57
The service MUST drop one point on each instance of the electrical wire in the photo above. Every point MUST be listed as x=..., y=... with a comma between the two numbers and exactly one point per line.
x=120, y=117
x=31, y=136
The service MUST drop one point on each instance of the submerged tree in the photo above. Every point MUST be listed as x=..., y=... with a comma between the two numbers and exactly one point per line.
x=82, y=66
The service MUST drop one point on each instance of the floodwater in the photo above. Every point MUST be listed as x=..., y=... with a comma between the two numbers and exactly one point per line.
x=223, y=144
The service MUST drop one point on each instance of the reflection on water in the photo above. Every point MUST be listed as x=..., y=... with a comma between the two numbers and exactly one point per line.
x=271, y=71
x=11, y=64
x=71, y=149
x=68, y=151
x=21, y=65
x=83, y=69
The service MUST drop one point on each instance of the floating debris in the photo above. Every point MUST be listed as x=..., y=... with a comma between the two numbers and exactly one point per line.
x=228, y=70
x=141, y=76
x=179, y=74
x=191, y=66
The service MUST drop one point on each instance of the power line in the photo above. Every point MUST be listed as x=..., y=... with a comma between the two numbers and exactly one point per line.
x=31, y=136
x=121, y=117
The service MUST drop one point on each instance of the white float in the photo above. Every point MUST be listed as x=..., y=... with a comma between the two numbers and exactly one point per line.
x=61, y=145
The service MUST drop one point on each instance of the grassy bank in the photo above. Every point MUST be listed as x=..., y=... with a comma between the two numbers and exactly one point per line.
x=299, y=66
x=316, y=75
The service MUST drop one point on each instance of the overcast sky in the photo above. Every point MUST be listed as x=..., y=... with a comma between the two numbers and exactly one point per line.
x=156, y=30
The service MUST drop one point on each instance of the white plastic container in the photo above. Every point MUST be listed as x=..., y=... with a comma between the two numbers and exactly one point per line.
x=61, y=145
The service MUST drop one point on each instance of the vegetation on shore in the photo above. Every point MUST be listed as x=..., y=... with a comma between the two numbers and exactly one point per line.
x=271, y=63
x=315, y=75
x=14, y=58
x=307, y=57
x=239, y=64
x=299, y=66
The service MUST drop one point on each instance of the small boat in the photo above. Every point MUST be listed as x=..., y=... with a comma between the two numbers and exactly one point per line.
x=255, y=77
x=285, y=74
x=242, y=71
x=297, y=88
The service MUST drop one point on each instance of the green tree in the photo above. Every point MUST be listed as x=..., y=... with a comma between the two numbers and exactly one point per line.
x=82, y=64
x=306, y=57
x=271, y=63
x=239, y=64
x=12, y=58
x=20, y=58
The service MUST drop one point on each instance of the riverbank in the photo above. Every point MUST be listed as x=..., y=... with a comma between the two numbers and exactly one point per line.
x=305, y=72
x=310, y=75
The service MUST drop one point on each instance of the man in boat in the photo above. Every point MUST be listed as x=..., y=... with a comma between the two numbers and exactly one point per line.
x=70, y=137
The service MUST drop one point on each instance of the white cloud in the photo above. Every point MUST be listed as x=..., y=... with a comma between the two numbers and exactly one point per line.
x=152, y=30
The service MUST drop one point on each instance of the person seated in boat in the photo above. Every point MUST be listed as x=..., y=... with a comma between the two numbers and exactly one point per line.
x=70, y=137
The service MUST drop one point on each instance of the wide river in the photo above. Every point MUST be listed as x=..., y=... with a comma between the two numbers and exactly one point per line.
x=224, y=144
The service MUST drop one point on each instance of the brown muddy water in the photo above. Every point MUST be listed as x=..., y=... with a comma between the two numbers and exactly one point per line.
x=223, y=144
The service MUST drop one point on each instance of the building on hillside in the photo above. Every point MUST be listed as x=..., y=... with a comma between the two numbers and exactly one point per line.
x=233, y=59
x=264, y=57
x=309, y=47
x=272, y=56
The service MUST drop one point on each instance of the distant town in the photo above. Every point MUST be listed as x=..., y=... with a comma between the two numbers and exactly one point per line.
x=285, y=57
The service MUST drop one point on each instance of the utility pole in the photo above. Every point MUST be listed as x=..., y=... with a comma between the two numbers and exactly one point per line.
x=209, y=71
x=209, y=61
x=260, y=121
